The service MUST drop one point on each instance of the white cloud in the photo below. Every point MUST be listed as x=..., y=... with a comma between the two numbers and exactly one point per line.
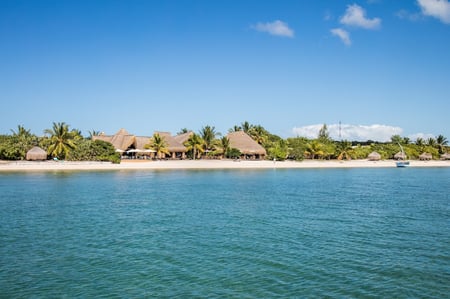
x=343, y=35
x=374, y=132
x=355, y=15
x=277, y=28
x=439, y=9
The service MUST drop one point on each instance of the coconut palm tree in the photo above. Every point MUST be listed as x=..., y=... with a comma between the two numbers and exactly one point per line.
x=61, y=140
x=235, y=129
x=225, y=144
x=441, y=143
x=246, y=126
x=259, y=134
x=345, y=150
x=159, y=144
x=431, y=142
x=93, y=133
x=194, y=144
x=314, y=149
x=208, y=135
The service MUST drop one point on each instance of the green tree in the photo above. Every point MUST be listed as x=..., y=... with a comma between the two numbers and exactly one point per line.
x=324, y=135
x=259, y=134
x=194, y=145
x=61, y=140
x=297, y=148
x=345, y=150
x=93, y=133
x=208, y=134
x=235, y=129
x=441, y=143
x=246, y=126
x=225, y=145
x=314, y=149
x=183, y=131
x=158, y=144
x=278, y=151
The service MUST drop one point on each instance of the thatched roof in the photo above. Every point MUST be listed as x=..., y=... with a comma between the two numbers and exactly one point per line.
x=445, y=156
x=245, y=144
x=36, y=153
x=400, y=156
x=141, y=141
x=122, y=140
x=425, y=156
x=182, y=138
x=374, y=156
x=172, y=144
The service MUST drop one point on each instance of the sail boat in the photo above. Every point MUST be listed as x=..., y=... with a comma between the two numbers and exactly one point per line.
x=402, y=163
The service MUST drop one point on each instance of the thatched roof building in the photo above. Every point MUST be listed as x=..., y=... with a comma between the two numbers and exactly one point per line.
x=374, y=156
x=425, y=156
x=249, y=148
x=445, y=156
x=122, y=140
x=36, y=153
x=182, y=138
x=400, y=156
x=177, y=150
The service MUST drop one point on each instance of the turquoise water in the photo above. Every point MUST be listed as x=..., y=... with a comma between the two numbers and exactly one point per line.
x=358, y=233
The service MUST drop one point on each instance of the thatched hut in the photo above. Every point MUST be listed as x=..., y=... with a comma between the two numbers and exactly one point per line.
x=425, y=157
x=248, y=147
x=374, y=156
x=122, y=140
x=36, y=153
x=400, y=156
x=445, y=156
x=182, y=138
x=176, y=149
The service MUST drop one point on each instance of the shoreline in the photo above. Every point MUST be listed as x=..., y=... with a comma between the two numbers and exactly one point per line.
x=25, y=166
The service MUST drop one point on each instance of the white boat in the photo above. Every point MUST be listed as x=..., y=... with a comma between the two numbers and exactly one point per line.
x=402, y=163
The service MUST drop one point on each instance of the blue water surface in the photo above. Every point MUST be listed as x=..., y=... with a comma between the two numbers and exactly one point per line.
x=361, y=233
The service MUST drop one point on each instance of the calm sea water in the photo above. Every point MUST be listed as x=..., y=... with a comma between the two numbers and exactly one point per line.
x=237, y=234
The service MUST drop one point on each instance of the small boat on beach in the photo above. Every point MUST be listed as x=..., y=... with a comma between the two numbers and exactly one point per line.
x=402, y=159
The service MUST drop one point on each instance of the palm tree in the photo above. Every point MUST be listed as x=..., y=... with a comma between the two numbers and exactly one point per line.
x=208, y=135
x=246, y=126
x=441, y=143
x=235, y=129
x=420, y=141
x=314, y=148
x=345, y=150
x=21, y=132
x=258, y=133
x=182, y=131
x=431, y=142
x=61, y=140
x=93, y=133
x=194, y=144
x=225, y=144
x=159, y=144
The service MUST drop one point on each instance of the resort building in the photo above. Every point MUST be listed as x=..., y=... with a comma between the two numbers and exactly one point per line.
x=248, y=147
x=131, y=146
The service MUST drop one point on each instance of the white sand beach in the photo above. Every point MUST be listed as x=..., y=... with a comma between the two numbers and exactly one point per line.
x=203, y=164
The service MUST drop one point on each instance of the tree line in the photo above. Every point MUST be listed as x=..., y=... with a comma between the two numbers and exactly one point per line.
x=61, y=142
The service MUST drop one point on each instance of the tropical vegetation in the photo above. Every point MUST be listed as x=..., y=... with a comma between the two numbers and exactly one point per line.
x=62, y=142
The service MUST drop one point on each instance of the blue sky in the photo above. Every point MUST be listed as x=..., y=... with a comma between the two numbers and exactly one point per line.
x=379, y=67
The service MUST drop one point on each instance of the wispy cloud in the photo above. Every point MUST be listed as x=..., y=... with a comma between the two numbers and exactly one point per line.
x=374, y=132
x=439, y=9
x=342, y=34
x=355, y=16
x=277, y=28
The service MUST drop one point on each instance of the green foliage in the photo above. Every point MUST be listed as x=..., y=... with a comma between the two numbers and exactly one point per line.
x=297, y=148
x=278, y=150
x=233, y=153
x=159, y=144
x=62, y=141
x=88, y=150
x=194, y=146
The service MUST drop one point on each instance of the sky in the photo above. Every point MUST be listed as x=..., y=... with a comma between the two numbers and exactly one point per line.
x=376, y=67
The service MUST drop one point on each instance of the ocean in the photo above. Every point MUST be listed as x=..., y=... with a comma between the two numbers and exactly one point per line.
x=339, y=233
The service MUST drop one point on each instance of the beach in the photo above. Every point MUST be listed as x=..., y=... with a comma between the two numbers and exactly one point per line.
x=204, y=164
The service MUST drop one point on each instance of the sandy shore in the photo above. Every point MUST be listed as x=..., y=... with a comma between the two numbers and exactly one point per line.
x=203, y=164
